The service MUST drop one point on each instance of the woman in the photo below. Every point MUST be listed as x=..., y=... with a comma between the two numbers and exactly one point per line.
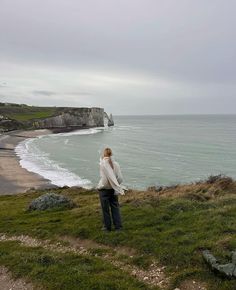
x=109, y=187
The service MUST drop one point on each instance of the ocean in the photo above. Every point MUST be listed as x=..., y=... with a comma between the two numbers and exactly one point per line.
x=151, y=150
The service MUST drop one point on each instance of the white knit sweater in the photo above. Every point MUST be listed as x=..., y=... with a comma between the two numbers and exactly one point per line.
x=110, y=178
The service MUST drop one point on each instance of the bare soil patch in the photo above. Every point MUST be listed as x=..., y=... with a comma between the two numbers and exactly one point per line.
x=8, y=283
x=192, y=285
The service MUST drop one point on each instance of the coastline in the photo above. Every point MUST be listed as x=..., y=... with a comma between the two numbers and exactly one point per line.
x=13, y=178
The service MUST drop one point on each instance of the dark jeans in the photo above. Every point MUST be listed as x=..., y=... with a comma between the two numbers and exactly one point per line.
x=109, y=202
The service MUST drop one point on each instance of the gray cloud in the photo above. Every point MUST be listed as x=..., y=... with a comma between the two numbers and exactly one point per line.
x=79, y=93
x=44, y=93
x=3, y=84
x=163, y=55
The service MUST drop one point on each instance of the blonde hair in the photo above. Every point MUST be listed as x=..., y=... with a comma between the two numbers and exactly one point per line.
x=108, y=153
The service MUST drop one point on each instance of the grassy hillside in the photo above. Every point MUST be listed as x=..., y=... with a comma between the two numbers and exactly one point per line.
x=24, y=112
x=169, y=226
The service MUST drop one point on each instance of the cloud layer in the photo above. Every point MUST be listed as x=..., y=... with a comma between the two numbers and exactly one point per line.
x=131, y=57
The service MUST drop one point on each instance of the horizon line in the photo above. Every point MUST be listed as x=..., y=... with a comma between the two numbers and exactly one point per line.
x=179, y=114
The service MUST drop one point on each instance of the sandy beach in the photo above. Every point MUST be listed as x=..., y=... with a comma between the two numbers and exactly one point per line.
x=13, y=178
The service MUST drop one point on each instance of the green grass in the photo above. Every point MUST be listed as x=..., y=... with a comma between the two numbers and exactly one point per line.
x=173, y=230
x=25, y=113
x=26, y=116
x=64, y=271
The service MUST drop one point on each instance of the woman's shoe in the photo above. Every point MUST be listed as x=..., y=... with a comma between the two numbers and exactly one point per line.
x=104, y=229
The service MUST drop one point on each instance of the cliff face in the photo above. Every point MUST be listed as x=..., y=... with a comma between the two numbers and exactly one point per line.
x=15, y=116
x=72, y=117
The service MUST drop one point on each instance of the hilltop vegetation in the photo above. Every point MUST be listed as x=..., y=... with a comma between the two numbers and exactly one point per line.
x=22, y=112
x=168, y=225
x=21, y=116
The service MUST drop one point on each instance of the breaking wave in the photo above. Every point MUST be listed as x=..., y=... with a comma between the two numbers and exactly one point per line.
x=35, y=160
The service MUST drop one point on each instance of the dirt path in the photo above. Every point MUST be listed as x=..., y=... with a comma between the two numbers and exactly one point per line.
x=154, y=276
x=8, y=283
x=120, y=257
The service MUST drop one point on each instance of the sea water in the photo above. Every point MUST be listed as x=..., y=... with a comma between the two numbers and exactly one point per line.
x=151, y=150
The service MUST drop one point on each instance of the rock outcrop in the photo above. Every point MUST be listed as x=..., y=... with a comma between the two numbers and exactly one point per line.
x=228, y=270
x=49, y=201
x=7, y=124
x=110, y=121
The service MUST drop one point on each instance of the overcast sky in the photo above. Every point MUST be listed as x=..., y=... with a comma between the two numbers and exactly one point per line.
x=128, y=56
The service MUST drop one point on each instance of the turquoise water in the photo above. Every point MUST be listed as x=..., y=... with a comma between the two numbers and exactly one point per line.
x=152, y=150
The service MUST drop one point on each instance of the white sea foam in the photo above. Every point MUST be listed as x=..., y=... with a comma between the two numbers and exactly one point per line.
x=82, y=132
x=37, y=161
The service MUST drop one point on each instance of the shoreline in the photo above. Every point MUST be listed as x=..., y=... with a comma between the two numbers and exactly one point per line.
x=13, y=178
